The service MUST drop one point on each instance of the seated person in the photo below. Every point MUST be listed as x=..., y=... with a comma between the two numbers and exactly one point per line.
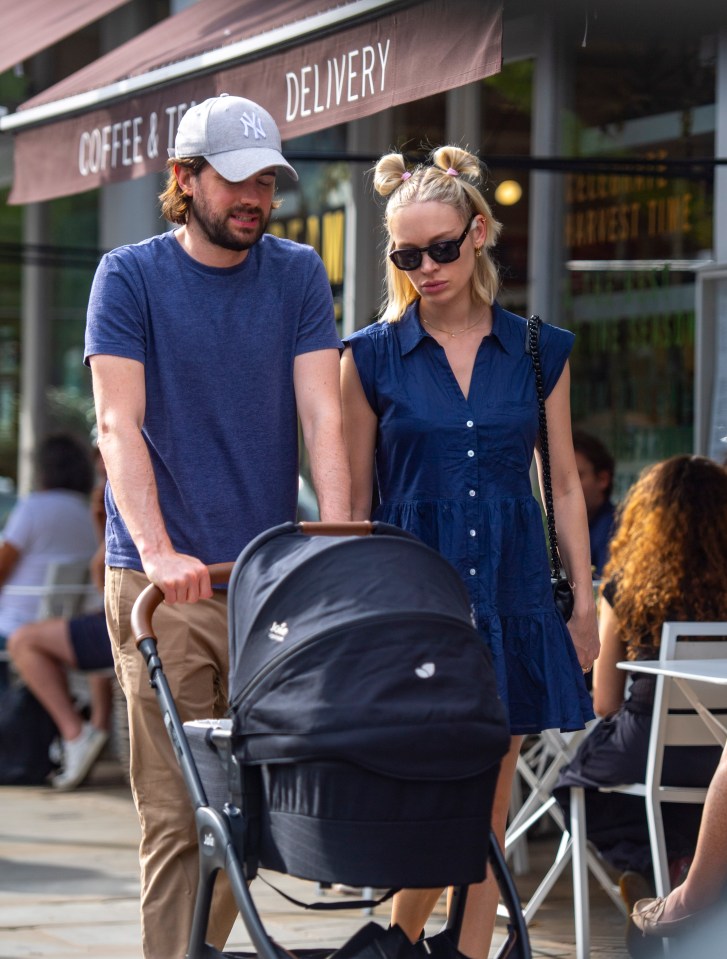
x=668, y=562
x=595, y=470
x=42, y=652
x=51, y=525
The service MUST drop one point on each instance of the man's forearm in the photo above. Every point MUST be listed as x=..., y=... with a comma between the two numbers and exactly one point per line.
x=131, y=476
x=330, y=472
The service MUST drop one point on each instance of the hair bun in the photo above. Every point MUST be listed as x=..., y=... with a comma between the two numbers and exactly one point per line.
x=389, y=173
x=460, y=161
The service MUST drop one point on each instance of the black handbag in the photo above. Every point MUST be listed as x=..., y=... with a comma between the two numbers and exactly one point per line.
x=562, y=589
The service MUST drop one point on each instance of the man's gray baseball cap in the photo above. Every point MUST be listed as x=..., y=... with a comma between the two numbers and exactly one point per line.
x=236, y=136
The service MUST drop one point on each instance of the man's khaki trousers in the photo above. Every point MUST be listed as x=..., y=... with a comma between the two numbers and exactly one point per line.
x=192, y=644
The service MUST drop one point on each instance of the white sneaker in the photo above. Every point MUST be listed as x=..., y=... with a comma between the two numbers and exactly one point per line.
x=55, y=751
x=79, y=755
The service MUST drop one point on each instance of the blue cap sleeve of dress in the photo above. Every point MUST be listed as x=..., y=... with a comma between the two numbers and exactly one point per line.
x=555, y=348
x=364, y=356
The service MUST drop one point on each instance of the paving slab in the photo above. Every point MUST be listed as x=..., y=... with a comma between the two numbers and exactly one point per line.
x=69, y=885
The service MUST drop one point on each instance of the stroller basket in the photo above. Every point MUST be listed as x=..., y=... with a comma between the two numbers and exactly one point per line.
x=337, y=822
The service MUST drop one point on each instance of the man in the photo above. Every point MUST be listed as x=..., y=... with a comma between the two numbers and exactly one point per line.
x=205, y=344
x=595, y=469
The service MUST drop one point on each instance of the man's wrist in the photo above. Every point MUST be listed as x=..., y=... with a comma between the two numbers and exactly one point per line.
x=153, y=551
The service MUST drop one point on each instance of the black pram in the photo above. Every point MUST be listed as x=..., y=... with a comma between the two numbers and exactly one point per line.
x=365, y=730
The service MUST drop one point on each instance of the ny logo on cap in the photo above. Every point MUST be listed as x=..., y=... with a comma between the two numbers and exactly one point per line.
x=252, y=122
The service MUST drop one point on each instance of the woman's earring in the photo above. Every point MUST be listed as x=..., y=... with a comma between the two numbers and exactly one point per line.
x=478, y=252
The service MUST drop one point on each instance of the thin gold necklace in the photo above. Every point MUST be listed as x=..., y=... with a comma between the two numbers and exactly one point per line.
x=455, y=332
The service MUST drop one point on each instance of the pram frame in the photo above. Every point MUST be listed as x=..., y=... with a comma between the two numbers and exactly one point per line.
x=219, y=834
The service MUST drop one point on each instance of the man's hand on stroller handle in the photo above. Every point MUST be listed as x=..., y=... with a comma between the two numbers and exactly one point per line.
x=181, y=578
x=152, y=597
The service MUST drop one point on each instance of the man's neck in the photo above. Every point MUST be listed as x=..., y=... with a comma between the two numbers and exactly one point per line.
x=206, y=253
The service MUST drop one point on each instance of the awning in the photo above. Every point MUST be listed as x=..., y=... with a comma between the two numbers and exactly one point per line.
x=34, y=25
x=312, y=68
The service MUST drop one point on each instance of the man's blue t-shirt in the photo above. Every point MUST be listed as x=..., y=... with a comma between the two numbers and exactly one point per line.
x=218, y=347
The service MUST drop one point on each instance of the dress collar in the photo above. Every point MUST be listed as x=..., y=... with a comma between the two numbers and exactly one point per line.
x=505, y=329
x=409, y=330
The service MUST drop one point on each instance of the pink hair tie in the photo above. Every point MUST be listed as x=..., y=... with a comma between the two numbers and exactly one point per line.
x=405, y=175
x=451, y=172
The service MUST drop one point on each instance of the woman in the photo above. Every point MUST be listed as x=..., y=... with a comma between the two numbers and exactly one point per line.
x=668, y=562
x=440, y=395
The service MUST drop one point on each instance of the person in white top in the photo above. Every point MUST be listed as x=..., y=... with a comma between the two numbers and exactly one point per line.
x=51, y=525
x=42, y=652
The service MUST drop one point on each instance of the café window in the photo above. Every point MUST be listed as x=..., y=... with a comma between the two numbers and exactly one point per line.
x=313, y=210
x=506, y=122
x=635, y=233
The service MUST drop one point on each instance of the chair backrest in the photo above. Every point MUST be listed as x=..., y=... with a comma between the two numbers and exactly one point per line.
x=61, y=597
x=676, y=722
x=691, y=641
x=66, y=591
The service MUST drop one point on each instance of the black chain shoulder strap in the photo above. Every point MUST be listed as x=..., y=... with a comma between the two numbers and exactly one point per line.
x=531, y=347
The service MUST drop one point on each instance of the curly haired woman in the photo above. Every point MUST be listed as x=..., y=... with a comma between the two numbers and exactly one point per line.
x=668, y=562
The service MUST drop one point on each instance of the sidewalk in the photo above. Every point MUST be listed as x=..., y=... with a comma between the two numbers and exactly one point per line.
x=69, y=885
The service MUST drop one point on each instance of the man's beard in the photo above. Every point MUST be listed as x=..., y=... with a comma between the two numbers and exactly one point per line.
x=218, y=231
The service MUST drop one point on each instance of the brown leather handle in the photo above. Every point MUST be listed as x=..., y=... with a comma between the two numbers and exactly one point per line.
x=356, y=528
x=152, y=597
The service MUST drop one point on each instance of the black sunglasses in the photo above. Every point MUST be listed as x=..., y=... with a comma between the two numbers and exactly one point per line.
x=446, y=251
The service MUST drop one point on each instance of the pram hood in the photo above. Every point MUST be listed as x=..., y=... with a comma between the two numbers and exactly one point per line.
x=359, y=649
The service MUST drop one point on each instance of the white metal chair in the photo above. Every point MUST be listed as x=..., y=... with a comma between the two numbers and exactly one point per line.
x=676, y=722
x=538, y=767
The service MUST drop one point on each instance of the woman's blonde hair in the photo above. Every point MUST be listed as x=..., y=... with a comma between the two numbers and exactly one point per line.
x=175, y=203
x=430, y=182
x=668, y=556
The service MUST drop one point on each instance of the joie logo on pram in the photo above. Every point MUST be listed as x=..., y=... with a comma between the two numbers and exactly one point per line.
x=278, y=632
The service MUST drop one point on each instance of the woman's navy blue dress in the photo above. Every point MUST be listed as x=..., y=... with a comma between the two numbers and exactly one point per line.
x=455, y=471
